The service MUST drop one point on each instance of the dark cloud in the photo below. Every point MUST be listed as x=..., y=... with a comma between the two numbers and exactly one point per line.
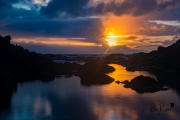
x=57, y=8
x=134, y=7
x=129, y=7
x=81, y=8
x=17, y=9
x=5, y=8
x=154, y=29
x=166, y=4
x=91, y=29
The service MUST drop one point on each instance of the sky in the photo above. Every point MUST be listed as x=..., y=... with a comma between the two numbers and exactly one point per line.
x=90, y=26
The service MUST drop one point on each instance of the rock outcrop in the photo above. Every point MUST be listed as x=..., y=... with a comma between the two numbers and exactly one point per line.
x=144, y=84
x=5, y=42
x=93, y=73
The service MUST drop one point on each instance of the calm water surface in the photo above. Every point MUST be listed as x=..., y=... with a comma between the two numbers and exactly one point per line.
x=66, y=99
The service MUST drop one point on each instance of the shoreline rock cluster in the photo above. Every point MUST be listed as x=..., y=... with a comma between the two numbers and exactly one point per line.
x=143, y=84
x=93, y=72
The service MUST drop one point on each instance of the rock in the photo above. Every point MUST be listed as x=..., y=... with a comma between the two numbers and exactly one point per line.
x=5, y=76
x=5, y=42
x=95, y=79
x=161, y=49
x=143, y=81
x=93, y=72
x=118, y=82
x=131, y=68
x=127, y=86
x=125, y=82
x=144, y=84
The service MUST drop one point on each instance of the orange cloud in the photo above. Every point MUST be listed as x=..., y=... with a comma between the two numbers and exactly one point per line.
x=56, y=41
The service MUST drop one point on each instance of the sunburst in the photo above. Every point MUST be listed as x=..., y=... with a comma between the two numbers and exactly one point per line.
x=111, y=36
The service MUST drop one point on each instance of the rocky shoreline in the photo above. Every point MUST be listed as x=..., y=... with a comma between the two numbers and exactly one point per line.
x=163, y=62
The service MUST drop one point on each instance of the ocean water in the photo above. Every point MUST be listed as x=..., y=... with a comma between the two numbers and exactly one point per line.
x=66, y=99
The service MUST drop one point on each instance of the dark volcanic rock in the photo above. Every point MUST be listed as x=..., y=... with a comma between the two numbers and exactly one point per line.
x=161, y=49
x=118, y=82
x=131, y=68
x=144, y=84
x=93, y=72
x=95, y=79
x=143, y=81
x=125, y=82
x=5, y=42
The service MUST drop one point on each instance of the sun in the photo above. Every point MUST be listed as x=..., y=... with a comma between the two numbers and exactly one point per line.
x=111, y=42
x=111, y=37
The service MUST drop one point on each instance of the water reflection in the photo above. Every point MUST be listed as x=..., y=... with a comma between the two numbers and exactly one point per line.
x=66, y=99
x=140, y=85
x=121, y=73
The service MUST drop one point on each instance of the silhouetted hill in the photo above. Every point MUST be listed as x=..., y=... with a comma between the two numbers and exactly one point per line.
x=20, y=64
x=17, y=62
x=164, y=59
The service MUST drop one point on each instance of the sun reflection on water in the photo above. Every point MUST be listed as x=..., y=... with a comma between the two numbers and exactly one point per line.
x=121, y=73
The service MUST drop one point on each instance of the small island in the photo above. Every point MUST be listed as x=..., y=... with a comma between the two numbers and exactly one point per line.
x=144, y=84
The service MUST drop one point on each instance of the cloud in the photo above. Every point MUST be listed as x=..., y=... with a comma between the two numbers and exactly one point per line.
x=154, y=29
x=89, y=20
x=85, y=8
x=57, y=8
x=166, y=43
x=171, y=23
x=90, y=29
x=62, y=8
x=176, y=37
x=17, y=9
x=131, y=37
x=59, y=49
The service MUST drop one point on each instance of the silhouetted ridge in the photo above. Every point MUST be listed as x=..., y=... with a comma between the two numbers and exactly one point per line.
x=4, y=41
x=20, y=64
x=164, y=58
